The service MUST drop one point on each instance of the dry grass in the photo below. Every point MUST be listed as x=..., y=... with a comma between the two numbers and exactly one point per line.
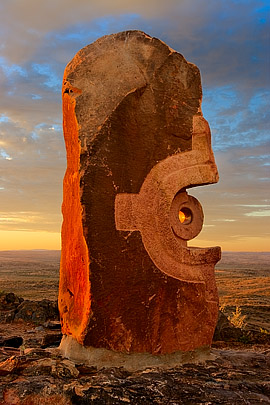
x=243, y=280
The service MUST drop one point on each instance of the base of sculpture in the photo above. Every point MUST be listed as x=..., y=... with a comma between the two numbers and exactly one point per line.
x=99, y=357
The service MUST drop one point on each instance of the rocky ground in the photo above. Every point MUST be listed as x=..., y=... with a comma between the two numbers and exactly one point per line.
x=32, y=371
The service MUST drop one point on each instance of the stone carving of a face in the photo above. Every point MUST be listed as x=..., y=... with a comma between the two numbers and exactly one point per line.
x=136, y=143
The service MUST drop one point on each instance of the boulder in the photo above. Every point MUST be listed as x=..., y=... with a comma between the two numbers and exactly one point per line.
x=37, y=312
x=9, y=301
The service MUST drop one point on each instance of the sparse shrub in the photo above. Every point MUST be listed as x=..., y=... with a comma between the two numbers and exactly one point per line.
x=265, y=331
x=244, y=339
x=222, y=307
x=237, y=319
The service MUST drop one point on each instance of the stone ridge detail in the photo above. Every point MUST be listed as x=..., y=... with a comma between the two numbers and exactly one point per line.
x=136, y=141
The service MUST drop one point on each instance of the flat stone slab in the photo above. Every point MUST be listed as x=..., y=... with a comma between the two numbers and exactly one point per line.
x=104, y=358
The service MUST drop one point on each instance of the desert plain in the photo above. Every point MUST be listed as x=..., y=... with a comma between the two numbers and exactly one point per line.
x=243, y=280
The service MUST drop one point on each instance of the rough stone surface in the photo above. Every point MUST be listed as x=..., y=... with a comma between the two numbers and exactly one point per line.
x=236, y=373
x=135, y=140
x=231, y=377
x=36, y=311
x=9, y=301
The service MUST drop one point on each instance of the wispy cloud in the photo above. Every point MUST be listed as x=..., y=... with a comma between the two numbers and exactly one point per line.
x=265, y=213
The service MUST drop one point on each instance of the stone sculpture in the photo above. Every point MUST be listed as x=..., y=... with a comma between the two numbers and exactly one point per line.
x=136, y=141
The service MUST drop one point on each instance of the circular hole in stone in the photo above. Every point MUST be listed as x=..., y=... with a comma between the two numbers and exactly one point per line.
x=185, y=216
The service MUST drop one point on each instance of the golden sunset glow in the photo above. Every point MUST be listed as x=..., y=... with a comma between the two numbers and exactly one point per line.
x=20, y=240
x=185, y=216
x=182, y=217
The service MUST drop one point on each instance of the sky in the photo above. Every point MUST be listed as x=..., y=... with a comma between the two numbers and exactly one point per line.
x=227, y=39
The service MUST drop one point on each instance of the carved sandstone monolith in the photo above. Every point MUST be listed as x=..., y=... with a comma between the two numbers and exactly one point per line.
x=136, y=140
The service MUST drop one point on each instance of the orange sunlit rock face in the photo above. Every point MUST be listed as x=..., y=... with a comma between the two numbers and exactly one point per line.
x=136, y=141
x=74, y=291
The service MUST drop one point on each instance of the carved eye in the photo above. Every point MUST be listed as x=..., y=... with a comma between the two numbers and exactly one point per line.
x=185, y=216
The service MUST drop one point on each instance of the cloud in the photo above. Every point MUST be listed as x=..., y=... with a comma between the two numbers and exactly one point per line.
x=262, y=213
x=228, y=42
x=27, y=94
x=31, y=182
x=195, y=28
x=230, y=203
x=29, y=20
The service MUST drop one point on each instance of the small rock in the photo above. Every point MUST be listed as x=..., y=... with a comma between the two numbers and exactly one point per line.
x=65, y=369
x=13, y=341
x=35, y=352
x=51, y=339
x=9, y=365
x=8, y=306
x=41, y=366
x=52, y=325
x=86, y=370
x=6, y=352
x=225, y=330
x=39, y=328
x=7, y=316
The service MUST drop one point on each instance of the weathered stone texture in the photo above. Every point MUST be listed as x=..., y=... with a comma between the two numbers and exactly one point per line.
x=135, y=138
x=231, y=377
